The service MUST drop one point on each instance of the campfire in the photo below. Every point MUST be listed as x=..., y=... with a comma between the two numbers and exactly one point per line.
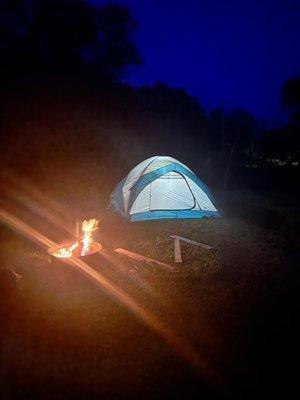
x=83, y=246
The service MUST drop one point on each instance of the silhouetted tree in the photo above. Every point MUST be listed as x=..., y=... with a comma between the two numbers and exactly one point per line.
x=238, y=130
x=291, y=100
x=287, y=139
x=238, y=134
x=66, y=37
x=174, y=121
x=282, y=143
x=216, y=119
x=291, y=93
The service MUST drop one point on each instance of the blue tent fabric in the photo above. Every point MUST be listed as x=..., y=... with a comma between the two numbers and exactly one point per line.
x=116, y=199
x=123, y=206
x=190, y=214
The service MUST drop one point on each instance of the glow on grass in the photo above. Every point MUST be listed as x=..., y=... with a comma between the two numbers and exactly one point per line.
x=181, y=347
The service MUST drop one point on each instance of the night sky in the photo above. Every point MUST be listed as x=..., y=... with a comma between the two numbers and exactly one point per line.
x=230, y=53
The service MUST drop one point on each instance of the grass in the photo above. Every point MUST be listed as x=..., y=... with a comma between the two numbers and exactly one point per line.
x=236, y=305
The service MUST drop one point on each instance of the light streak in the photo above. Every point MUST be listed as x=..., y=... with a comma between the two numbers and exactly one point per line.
x=181, y=347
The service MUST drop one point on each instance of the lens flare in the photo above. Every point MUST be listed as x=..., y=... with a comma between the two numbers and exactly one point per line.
x=200, y=364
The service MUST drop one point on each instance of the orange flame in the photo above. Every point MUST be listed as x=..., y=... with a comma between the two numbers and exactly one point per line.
x=88, y=228
x=66, y=251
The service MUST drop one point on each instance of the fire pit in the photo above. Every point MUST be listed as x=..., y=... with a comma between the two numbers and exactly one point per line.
x=82, y=247
x=54, y=251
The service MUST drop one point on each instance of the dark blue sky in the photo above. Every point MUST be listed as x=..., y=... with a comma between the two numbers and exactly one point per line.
x=234, y=53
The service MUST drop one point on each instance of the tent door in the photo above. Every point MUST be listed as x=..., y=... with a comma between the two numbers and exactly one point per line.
x=171, y=192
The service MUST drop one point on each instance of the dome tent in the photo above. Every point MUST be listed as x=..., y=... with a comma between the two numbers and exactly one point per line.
x=162, y=187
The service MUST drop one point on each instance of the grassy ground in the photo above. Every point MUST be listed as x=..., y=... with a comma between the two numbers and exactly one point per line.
x=234, y=309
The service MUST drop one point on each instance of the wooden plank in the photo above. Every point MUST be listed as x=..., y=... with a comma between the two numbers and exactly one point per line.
x=203, y=245
x=177, y=251
x=140, y=257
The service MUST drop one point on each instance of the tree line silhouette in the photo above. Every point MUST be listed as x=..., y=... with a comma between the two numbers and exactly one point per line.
x=63, y=103
x=65, y=37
